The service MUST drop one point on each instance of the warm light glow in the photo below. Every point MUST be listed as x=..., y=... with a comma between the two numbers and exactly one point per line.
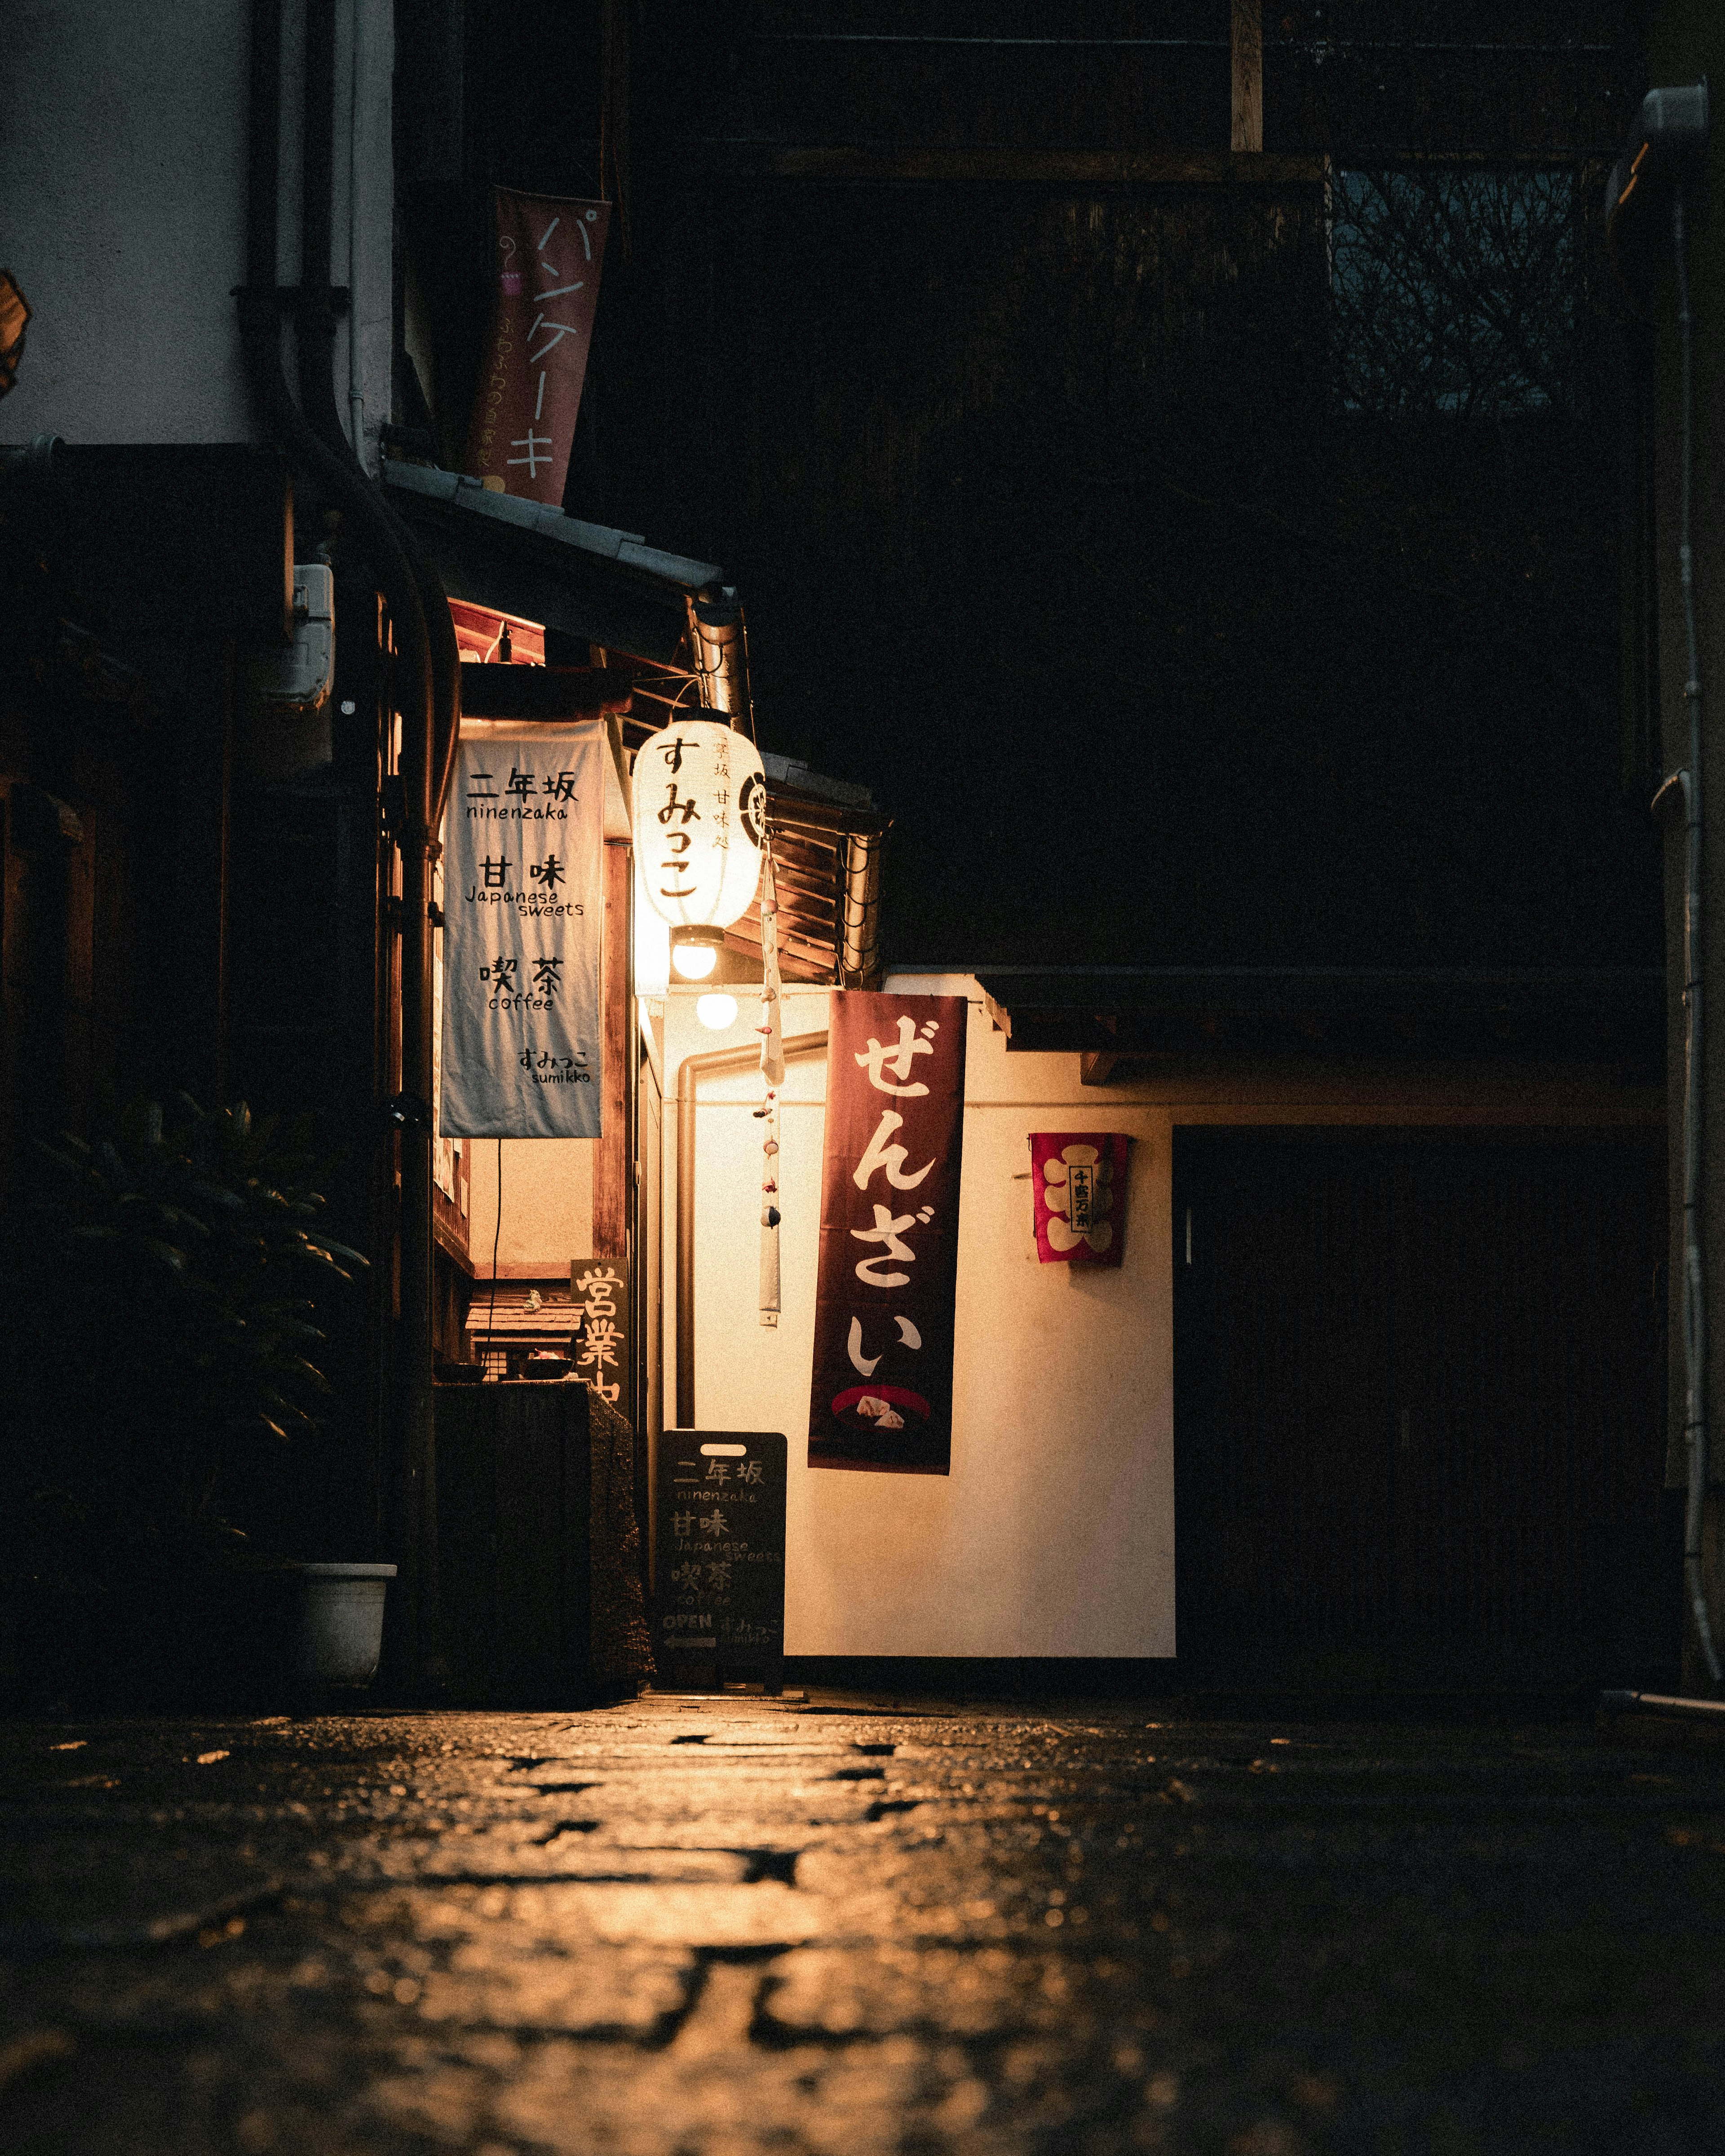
x=652, y=944
x=694, y=962
x=717, y=1011
x=700, y=821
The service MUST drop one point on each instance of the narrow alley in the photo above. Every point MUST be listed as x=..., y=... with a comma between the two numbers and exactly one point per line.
x=702, y=1927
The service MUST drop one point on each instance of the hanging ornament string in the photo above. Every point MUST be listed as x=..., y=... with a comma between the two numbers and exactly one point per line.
x=772, y=1033
x=772, y=1072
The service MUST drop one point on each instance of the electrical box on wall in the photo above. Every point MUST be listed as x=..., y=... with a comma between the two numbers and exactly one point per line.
x=298, y=679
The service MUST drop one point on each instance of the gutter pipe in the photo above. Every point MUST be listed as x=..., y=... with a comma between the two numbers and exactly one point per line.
x=1659, y=1702
x=858, y=943
x=689, y=1073
x=355, y=380
x=337, y=476
x=719, y=644
x=1694, y=1296
x=317, y=339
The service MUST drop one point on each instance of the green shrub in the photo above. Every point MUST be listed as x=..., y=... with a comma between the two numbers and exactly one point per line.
x=162, y=1280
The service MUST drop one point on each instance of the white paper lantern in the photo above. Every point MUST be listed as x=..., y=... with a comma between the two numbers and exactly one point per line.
x=701, y=821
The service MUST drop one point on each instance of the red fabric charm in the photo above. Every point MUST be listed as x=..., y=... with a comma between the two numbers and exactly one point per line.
x=1078, y=1178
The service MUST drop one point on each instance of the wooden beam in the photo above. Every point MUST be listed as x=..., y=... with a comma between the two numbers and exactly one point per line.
x=542, y=1272
x=1247, y=43
x=886, y=166
x=541, y=692
x=611, y=1153
x=1095, y=1066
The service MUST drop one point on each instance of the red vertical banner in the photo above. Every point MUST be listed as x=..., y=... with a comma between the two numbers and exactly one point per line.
x=882, y=1396
x=547, y=254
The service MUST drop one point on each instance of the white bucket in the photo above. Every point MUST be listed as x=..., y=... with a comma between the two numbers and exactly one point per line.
x=341, y=1622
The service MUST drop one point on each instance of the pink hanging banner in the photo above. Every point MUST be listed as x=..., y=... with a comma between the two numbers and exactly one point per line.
x=1078, y=1178
x=885, y=1289
x=548, y=254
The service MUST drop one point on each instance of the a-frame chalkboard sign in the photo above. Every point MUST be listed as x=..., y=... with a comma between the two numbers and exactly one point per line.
x=719, y=1560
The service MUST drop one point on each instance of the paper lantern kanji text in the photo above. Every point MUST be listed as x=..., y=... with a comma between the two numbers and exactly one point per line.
x=700, y=824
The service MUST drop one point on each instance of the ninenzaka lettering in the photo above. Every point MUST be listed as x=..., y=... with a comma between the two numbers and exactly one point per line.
x=560, y=786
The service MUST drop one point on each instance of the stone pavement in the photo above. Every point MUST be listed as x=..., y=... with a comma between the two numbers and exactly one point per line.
x=681, y=1928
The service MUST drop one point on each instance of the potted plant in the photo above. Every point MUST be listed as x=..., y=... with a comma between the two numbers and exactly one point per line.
x=165, y=1279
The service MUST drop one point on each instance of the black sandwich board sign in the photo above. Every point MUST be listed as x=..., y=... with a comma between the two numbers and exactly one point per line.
x=719, y=1560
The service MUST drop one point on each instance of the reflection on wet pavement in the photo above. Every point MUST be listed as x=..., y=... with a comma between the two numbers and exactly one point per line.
x=672, y=1929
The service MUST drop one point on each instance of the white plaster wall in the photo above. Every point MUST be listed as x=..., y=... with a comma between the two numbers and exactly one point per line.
x=123, y=154
x=1053, y=1533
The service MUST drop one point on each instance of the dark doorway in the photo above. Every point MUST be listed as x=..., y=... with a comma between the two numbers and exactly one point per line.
x=1420, y=1389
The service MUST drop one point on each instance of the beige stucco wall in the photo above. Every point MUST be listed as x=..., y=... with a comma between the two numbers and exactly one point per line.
x=1053, y=1535
x=547, y=1202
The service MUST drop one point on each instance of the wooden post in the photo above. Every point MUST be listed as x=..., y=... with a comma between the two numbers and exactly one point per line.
x=1248, y=44
x=611, y=1158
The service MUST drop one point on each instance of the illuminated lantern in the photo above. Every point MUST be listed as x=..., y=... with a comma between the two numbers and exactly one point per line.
x=700, y=822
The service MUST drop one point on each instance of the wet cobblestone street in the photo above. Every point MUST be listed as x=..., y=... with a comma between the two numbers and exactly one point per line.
x=680, y=1928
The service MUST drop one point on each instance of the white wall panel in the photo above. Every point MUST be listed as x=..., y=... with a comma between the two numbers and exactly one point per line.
x=1053, y=1533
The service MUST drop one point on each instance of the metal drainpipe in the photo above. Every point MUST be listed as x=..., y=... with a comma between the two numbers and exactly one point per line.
x=356, y=377
x=421, y=764
x=718, y=643
x=434, y=763
x=689, y=1073
x=858, y=943
x=1688, y=783
x=336, y=476
x=316, y=340
x=1694, y=1298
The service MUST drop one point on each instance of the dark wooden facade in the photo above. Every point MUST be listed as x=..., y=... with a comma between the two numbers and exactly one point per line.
x=1419, y=1400
x=1012, y=366
x=1012, y=396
